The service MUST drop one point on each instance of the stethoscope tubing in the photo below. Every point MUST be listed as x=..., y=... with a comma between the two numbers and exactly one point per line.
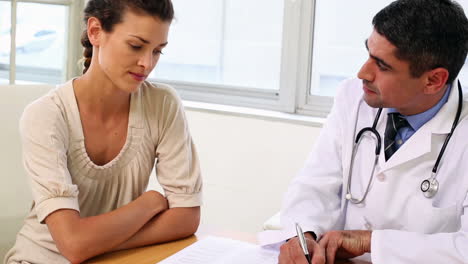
x=429, y=186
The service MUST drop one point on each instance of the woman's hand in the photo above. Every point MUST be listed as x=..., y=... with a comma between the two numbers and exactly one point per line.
x=156, y=201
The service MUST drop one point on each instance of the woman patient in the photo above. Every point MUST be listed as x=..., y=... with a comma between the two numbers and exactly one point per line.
x=90, y=145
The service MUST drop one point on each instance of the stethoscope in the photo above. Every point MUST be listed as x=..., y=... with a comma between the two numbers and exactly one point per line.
x=430, y=186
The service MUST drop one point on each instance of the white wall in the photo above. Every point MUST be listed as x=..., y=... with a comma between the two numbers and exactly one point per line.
x=247, y=164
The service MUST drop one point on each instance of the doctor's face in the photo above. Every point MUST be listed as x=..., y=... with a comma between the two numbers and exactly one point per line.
x=387, y=81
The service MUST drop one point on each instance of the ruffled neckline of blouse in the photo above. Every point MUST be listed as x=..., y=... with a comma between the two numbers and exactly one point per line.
x=77, y=147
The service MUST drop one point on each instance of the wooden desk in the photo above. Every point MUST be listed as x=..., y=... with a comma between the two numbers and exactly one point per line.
x=144, y=255
x=156, y=253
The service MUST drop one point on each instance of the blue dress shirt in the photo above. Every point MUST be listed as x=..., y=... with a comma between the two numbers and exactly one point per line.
x=418, y=120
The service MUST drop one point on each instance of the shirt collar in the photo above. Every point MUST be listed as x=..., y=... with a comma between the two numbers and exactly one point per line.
x=418, y=120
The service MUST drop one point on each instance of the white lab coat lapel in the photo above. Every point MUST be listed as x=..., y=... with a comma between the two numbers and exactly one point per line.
x=420, y=143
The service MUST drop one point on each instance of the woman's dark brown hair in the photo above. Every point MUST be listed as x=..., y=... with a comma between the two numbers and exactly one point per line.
x=110, y=13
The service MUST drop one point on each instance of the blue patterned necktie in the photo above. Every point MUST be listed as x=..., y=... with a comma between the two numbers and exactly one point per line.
x=395, y=121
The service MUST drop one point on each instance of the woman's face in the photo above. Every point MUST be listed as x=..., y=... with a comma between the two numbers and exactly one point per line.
x=129, y=53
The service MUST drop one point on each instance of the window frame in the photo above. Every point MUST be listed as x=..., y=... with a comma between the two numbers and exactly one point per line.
x=75, y=8
x=293, y=95
x=307, y=103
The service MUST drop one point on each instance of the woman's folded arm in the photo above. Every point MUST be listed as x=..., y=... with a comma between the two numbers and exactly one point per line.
x=78, y=238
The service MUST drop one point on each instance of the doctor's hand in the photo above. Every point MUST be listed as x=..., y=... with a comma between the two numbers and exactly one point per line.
x=345, y=244
x=291, y=252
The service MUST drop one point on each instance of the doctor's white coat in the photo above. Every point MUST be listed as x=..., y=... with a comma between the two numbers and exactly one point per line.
x=407, y=227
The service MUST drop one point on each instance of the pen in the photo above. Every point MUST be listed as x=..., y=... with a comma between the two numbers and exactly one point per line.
x=302, y=241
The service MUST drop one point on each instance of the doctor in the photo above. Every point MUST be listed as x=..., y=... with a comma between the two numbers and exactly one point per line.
x=352, y=202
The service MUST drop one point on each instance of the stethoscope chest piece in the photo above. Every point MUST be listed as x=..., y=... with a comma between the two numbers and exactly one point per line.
x=430, y=187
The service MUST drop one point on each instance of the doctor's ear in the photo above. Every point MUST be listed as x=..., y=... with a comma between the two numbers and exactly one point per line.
x=94, y=30
x=436, y=80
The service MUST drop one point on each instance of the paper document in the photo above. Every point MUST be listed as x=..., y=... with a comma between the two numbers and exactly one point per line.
x=214, y=250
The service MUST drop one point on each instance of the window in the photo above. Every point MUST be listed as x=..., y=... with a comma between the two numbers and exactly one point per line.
x=283, y=55
x=259, y=53
x=212, y=39
x=225, y=51
x=5, y=25
x=338, y=47
x=35, y=47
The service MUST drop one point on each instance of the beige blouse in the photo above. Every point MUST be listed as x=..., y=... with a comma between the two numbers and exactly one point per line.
x=62, y=176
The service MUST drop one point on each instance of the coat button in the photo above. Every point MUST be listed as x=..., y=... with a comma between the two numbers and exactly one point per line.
x=381, y=177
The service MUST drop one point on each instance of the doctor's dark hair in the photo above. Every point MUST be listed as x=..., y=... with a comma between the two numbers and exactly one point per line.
x=427, y=33
x=110, y=13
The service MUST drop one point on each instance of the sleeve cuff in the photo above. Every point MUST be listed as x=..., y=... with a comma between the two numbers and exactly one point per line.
x=376, y=249
x=184, y=200
x=46, y=207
